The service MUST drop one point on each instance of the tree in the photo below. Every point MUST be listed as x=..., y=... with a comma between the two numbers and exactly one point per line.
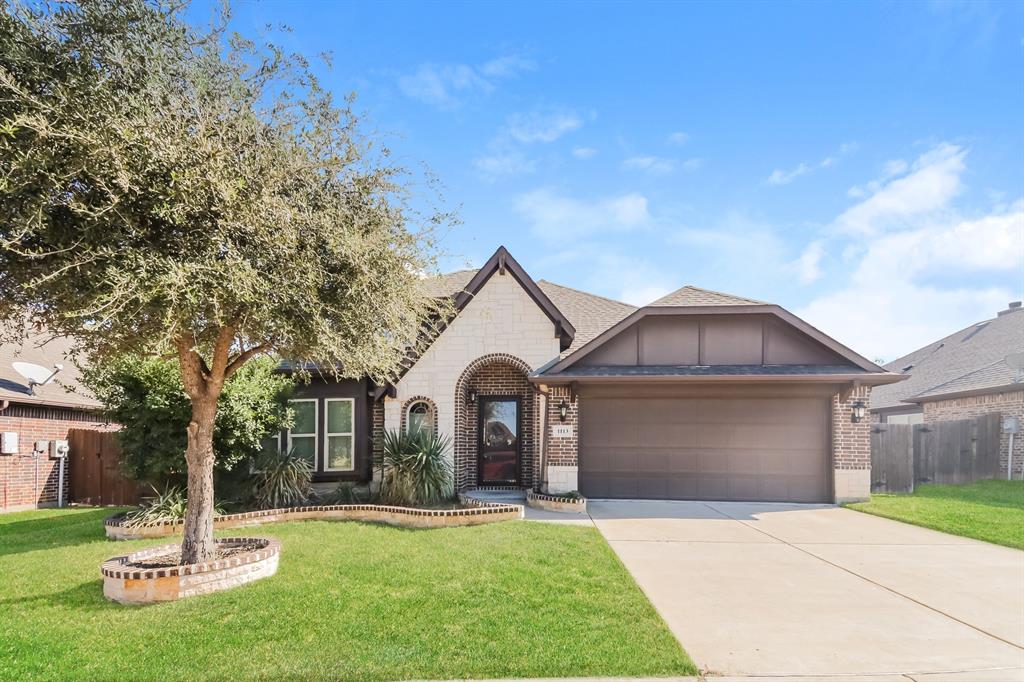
x=189, y=193
x=145, y=396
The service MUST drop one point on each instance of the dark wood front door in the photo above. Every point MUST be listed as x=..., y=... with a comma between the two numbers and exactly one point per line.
x=498, y=447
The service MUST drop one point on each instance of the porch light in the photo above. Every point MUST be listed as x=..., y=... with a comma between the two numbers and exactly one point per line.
x=563, y=410
x=859, y=410
x=471, y=395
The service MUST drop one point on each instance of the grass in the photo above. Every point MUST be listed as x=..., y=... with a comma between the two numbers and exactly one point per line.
x=350, y=601
x=992, y=511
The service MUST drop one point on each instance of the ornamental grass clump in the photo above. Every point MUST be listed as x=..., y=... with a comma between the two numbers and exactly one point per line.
x=417, y=471
x=168, y=504
x=283, y=480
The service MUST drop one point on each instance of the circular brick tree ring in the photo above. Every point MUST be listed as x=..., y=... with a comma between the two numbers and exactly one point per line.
x=125, y=582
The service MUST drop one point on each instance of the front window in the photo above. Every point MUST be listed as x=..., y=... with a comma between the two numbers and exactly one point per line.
x=340, y=435
x=303, y=433
x=421, y=419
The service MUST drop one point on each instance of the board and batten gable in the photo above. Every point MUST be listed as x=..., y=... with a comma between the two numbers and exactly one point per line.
x=711, y=340
x=501, y=318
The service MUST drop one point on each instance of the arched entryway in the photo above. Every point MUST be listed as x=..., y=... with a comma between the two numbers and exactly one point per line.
x=495, y=424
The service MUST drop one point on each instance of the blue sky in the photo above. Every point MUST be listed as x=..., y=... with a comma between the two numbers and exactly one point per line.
x=859, y=164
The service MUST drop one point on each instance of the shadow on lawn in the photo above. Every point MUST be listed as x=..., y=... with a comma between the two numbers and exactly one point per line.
x=51, y=532
x=86, y=596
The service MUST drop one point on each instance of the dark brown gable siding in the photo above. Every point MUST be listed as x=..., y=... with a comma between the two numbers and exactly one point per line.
x=357, y=389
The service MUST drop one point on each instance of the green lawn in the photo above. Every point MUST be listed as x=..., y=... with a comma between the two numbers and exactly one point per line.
x=986, y=510
x=350, y=601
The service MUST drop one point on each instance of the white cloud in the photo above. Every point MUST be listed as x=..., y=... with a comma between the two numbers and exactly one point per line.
x=784, y=177
x=498, y=165
x=678, y=138
x=691, y=165
x=655, y=165
x=933, y=181
x=444, y=85
x=635, y=280
x=584, y=152
x=890, y=169
x=541, y=126
x=808, y=265
x=556, y=218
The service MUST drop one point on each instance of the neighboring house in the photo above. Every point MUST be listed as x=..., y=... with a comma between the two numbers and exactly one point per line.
x=700, y=395
x=961, y=376
x=29, y=479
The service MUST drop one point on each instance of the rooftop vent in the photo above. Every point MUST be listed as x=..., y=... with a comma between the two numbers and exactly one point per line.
x=1013, y=307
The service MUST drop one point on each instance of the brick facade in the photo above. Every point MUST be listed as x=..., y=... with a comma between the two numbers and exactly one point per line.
x=1009, y=403
x=498, y=374
x=28, y=481
x=851, y=448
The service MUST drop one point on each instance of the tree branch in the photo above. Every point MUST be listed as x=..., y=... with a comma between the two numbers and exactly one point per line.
x=243, y=357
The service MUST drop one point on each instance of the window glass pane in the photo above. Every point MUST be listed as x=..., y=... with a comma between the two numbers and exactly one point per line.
x=339, y=416
x=339, y=452
x=305, y=447
x=305, y=417
x=419, y=422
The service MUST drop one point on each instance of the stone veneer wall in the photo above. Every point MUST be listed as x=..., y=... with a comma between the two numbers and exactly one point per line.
x=562, y=451
x=851, y=449
x=501, y=318
x=1009, y=403
x=26, y=482
x=497, y=375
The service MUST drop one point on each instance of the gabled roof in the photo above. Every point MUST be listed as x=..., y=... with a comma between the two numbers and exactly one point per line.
x=589, y=313
x=65, y=390
x=971, y=359
x=691, y=296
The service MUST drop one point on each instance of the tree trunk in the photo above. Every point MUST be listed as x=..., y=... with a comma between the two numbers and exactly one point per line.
x=197, y=545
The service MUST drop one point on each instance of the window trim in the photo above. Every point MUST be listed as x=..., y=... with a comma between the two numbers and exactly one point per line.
x=429, y=415
x=316, y=428
x=351, y=433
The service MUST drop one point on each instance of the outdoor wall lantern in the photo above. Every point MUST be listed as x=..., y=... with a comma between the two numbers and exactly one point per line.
x=472, y=396
x=859, y=410
x=563, y=410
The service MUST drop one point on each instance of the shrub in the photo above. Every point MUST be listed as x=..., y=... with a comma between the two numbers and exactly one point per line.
x=416, y=469
x=166, y=505
x=282, y=480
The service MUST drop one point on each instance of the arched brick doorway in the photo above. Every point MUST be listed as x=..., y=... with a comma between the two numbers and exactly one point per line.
x=498, y=380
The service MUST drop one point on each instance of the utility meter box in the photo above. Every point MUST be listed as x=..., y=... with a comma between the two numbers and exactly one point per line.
x=58, y=449
x=1011, y=425
x=40, y=446
x=9, y=443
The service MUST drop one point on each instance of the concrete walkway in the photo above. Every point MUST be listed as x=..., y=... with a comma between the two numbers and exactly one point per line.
x=779, y=590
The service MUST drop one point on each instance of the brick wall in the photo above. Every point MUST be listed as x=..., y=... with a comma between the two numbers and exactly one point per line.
x=563, y=451
x=27, y=482
x=495, y=375
x=851, y=443
x=1009, y=403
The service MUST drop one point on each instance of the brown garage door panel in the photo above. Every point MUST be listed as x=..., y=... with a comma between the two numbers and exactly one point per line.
x=714, y=449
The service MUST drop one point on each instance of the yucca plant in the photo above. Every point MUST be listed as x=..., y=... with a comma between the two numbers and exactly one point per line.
x=166, y=505
x=283, y=480
x=416, y=469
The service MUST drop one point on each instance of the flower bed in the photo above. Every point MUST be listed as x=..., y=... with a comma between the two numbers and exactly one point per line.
x=476, y=512
x=559, y=503
x=140, y=577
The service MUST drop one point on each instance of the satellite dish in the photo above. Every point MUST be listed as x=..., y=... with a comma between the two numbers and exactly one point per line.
x=37, y=375
x=1016, y=362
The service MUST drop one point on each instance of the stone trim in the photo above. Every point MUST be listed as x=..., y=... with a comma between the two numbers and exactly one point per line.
x=127, y=585
x=556, y=503
x=408, y=517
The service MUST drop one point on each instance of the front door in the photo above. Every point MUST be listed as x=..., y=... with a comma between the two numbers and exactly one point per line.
x=498, y=449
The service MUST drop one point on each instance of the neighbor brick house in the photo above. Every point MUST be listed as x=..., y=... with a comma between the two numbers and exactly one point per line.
x=699, y=395
x=961, y=376
x=28, y=477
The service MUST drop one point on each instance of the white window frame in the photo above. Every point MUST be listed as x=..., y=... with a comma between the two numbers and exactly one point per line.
x=316, y=427
x=430, y=415
x=351, y=433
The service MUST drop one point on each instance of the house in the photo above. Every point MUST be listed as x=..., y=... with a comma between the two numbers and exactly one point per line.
x=30, y=478
x=961, y=376
x=699, y=395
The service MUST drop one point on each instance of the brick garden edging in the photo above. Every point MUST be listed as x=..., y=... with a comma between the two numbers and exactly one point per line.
x=407, y=517
x=127, y=585
x=556, y=503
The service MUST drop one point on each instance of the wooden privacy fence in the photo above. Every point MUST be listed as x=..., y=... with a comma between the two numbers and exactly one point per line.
x=95, y=458
x=960, y=451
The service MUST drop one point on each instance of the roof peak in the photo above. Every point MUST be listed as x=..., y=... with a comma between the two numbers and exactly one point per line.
x=690, y=295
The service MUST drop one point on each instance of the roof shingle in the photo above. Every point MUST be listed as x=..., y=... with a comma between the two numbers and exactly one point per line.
x=695, y=296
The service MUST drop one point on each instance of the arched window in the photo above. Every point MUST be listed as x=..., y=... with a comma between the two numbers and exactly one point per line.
x=421, y=418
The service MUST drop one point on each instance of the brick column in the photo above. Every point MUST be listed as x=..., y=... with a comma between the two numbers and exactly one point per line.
x=851, y=449
x=563, y=450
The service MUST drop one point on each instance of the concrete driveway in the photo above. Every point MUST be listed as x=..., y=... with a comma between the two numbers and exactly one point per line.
x=757, y=589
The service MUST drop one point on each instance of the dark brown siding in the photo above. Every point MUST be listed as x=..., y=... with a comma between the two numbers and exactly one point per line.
x=357, y=389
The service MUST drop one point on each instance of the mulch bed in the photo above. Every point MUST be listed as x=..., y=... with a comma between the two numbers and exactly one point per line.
x=174, y=558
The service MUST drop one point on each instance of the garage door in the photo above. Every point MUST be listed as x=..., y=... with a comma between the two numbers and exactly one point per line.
x=765, y=449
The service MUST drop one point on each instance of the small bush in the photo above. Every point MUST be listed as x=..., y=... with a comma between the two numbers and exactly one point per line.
x=348, y=492
x=167, y=505
x=416, y=469
x=282, y=480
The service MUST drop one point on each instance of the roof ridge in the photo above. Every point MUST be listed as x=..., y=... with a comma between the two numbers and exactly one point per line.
x=587, y=293
x=721, y=293
x=690, y=288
